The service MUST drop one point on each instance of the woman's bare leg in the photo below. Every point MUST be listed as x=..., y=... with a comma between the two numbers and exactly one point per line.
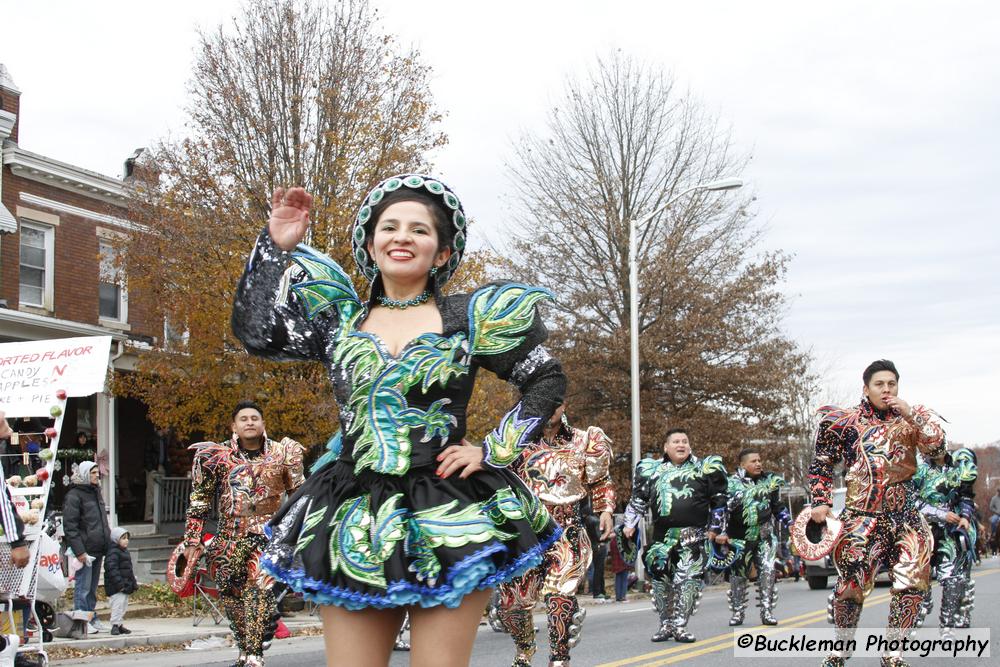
x=442, y=637
x=362, y=638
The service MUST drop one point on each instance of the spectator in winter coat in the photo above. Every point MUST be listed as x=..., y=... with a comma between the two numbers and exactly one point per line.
x=85, y=524
x=621, y=568
x=119, y=579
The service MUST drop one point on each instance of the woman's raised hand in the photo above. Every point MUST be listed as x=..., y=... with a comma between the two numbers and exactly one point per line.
x=289, y=217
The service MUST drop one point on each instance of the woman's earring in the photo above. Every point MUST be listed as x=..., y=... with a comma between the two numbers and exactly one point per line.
x=375, y=269
x=434, y=271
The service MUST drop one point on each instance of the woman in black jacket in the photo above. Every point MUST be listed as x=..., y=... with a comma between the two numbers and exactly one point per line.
x=85, y=523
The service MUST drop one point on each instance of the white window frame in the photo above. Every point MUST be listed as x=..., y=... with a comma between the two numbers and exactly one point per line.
x=48, y=289
x=122, y=318
x=179, y=339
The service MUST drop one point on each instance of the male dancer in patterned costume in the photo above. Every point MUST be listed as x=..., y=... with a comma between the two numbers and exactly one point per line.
x=564, y=467
x=945, y=498
x=250, y=473
x=877, y=441
x=752, y=505
x=686, y=494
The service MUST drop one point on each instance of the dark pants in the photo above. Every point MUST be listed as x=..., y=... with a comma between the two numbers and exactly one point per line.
x=597, y=581
x=621, y=584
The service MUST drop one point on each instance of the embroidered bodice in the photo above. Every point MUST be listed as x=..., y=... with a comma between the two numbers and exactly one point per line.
x=570, y=467
x=398, y=411
x=946, y=485
x=752, y=502
x=879, y=453
x=249, y=488
x=688, y=494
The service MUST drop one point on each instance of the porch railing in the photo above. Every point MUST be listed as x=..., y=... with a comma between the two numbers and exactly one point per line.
x=170, y=501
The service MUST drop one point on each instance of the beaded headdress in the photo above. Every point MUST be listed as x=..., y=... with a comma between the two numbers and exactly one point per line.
x=430, y=186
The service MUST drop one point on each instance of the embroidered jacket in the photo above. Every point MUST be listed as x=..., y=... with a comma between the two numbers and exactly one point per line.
x=945, y=485
x=751, y=504
x=569, y=468
x=249, y=488
x=879, y=453
x=399, y=411
x=692, y=494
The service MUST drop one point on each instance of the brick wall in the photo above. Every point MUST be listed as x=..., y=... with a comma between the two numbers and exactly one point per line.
x=11, y=103
x=77, y=266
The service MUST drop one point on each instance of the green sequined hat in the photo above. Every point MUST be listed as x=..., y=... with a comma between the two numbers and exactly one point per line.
x=430, y=186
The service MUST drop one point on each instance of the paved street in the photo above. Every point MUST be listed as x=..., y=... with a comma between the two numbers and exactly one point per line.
x=617, y=635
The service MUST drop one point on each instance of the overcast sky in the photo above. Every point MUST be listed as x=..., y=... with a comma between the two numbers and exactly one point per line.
x=873, y=129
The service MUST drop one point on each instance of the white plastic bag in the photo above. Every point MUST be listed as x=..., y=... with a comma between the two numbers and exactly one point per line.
x=51, y=582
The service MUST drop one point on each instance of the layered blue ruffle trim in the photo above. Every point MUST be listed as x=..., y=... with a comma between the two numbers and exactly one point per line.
x=474, y=572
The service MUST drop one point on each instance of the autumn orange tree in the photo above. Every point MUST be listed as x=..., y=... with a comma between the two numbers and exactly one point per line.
x=290, y=93
x=619, y=144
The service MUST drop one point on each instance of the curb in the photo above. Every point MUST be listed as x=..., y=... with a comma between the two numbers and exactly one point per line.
x=136, y=639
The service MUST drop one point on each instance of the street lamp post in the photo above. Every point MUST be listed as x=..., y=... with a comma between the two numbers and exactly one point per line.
x=633, y=283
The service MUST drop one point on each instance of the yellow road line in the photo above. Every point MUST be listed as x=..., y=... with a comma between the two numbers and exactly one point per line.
x=725, y=640
x=727, y=637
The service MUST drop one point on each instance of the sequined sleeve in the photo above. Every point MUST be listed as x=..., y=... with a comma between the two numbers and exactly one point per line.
x=506, y=336
x=642, y=493
x=778, y=508
x=718, y=487
x=829, y=452
x=294, y=472
x=203, y=483
x=927, y=433
x=968, y=473
x=598, y=470
x=268, y=317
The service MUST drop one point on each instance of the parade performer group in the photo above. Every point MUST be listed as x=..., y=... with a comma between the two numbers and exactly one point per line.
x=881, y=526
x=405, y=517
x=944, y=495
x=250, y=473
x=752, y=507
x=566, y=466
x=687, y=495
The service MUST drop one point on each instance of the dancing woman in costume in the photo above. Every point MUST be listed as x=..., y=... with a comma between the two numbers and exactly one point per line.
x=402, y=516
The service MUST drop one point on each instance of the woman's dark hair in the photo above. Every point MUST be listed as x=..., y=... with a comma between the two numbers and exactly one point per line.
x=440, y=216
x=243, y=405
x=876, y=366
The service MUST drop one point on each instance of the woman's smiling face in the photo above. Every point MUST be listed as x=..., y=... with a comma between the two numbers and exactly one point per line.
x=405, y=242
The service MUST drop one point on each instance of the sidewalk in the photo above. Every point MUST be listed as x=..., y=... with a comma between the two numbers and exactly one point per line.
x=157, y=631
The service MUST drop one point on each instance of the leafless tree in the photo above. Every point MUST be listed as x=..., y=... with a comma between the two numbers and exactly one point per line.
x=620, y=143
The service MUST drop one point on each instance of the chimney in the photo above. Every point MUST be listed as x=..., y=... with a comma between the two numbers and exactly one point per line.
x=10, y=102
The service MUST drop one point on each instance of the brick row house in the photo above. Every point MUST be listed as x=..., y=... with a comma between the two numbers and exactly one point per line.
x=59, y=225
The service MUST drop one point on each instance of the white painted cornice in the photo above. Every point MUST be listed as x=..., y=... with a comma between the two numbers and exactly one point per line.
x=62, y=207
x=7, y=121
x=34, y=167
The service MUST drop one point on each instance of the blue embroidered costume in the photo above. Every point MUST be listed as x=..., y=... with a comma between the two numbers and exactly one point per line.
x=374, y=526
x=685, y=499
x=751, y=507
x=943, y=486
